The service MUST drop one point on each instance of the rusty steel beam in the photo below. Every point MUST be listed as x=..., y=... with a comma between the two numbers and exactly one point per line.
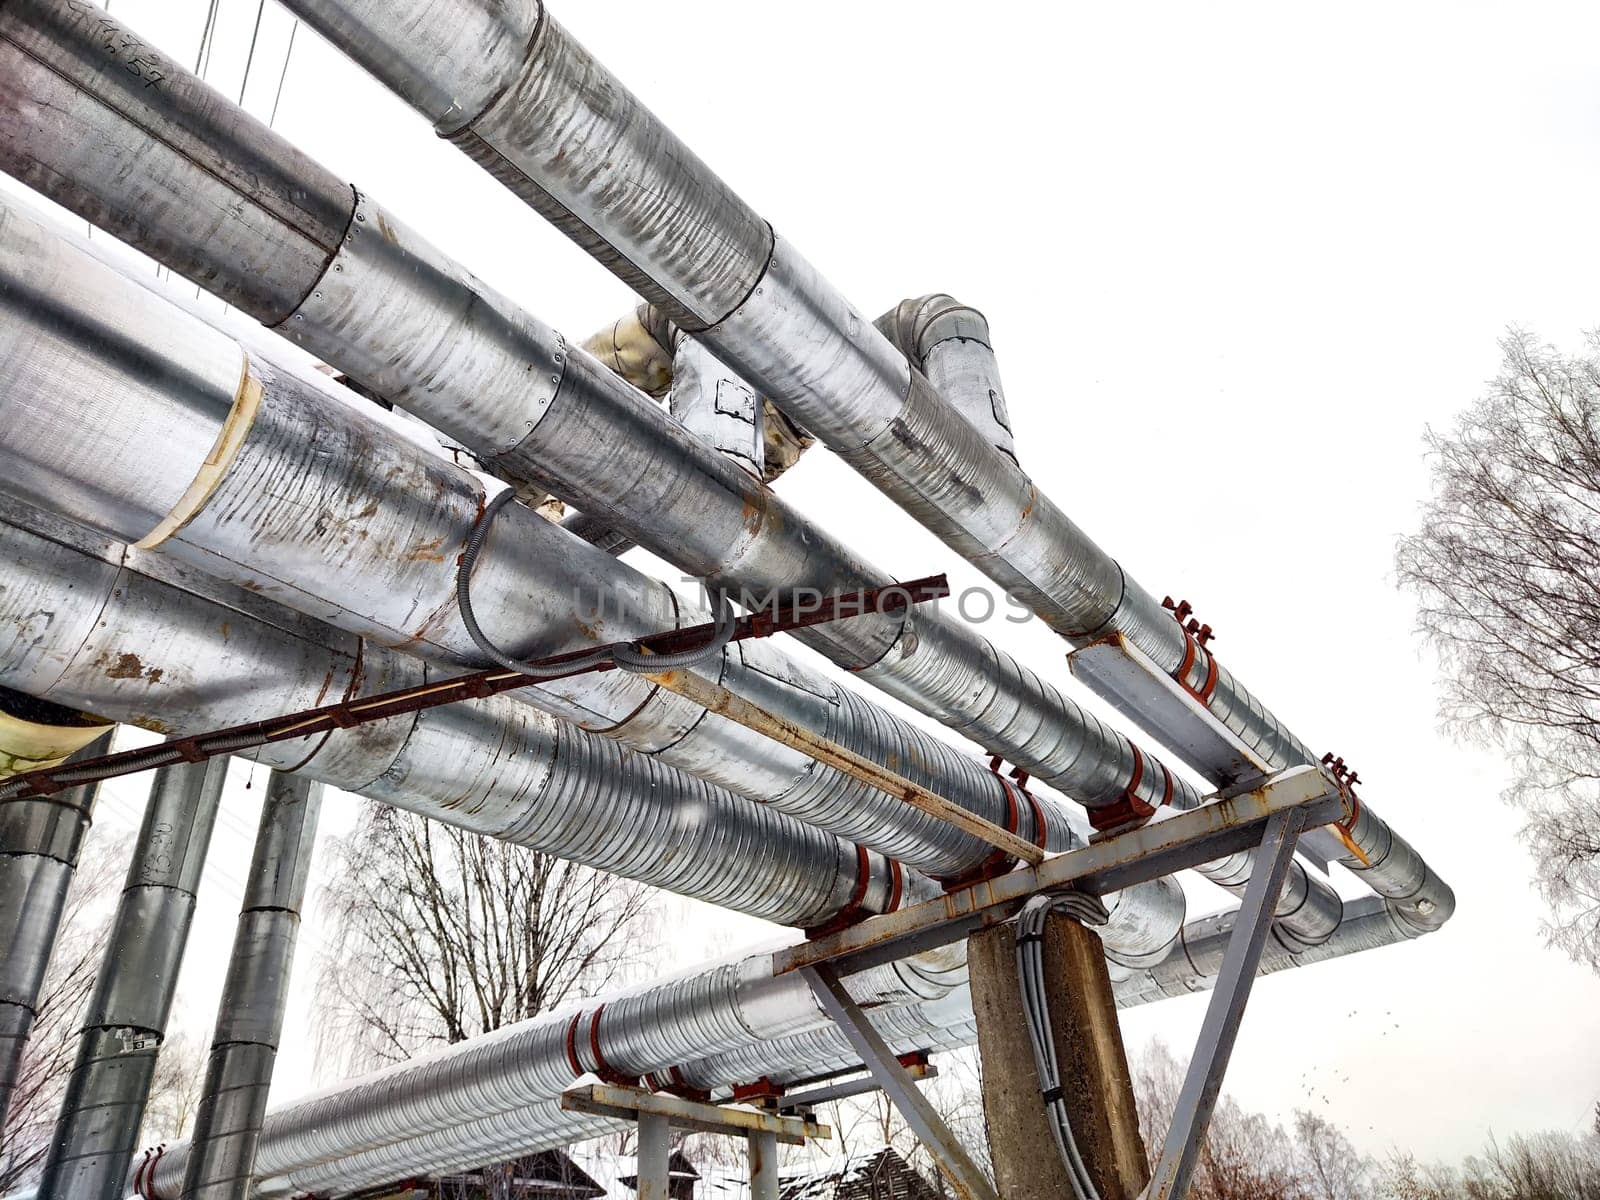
x=782, y=618
x=1160, y=848
x=631, y=1103
x=715, y=698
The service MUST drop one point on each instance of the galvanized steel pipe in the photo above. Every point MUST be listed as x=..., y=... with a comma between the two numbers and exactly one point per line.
x=244, y=1047
x=419, y=329
x=39, y=845
x=135, y=637
x=173, y=436
x=412, y=325
x=510, y=87
x=939, y=1020
x=515, y=1069
x=126, y=1019
x=389, y=297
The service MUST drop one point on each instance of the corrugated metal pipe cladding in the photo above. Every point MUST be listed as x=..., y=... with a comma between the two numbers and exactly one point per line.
x=492, y=766
x=416, y=328
x=557, y=128
x=244, y=1047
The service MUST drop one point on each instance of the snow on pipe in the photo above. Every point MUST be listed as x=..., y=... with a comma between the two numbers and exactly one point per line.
x=39, y=845
x=172, y=436
x=244, y=1046
x=514, y=91
x=126, y=1018
x=940, y=1020
x=367, y=293
x=134, y=637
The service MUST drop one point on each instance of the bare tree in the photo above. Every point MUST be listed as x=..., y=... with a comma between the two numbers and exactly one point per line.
x=1245, y=1156
x=441, y=934
x=53, y=1043
x=1331, y=1167
x=1539, y=1166
x=175, y=1090
x=1506, y=568
x=1404, y=1178
x=871, y=1122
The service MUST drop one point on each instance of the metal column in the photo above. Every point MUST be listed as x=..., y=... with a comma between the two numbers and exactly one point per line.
x=39, y=844
x=1191, y=1119
x=100, y=1117
x=655, y=1152
x=947, y=1150
x=763, y=1148
x=244, y=1047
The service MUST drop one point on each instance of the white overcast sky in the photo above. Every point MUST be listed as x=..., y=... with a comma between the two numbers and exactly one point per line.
x=1235, y=259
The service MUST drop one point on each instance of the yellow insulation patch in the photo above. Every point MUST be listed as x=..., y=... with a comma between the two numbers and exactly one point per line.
x=246, y=403
x=28, y=745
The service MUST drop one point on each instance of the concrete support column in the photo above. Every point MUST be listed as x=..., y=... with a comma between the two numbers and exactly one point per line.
x=1096, y=1083
x=244, y=1048
x=94, y=1138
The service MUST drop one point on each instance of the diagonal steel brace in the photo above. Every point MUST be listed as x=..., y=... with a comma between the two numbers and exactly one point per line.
x=897, y=1083
x=1197, y=1099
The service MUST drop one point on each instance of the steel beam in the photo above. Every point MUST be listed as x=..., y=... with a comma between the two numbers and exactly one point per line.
x=1198, y=1098
x=1130, y=681
x=951, y=1156
x=1181, y=840
x=844, y=1089
x=628, y=1103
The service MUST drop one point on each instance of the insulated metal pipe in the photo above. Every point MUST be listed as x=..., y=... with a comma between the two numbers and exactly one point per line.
x=39, y=845
x=1369, y=923
x=495, y=767
x=199, y=656
x=233, y=1101
x=940, y=1020
x=554, y=126
x=395, y=313
x=520, y=1067
x=949, y=343
x=126, y=1019
x=126, y=634
x=173, y=436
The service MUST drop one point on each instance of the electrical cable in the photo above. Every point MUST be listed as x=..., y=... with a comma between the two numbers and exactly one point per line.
x=288, y=54
x=250, y=58
x=629, y=658
x=1087, y=910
